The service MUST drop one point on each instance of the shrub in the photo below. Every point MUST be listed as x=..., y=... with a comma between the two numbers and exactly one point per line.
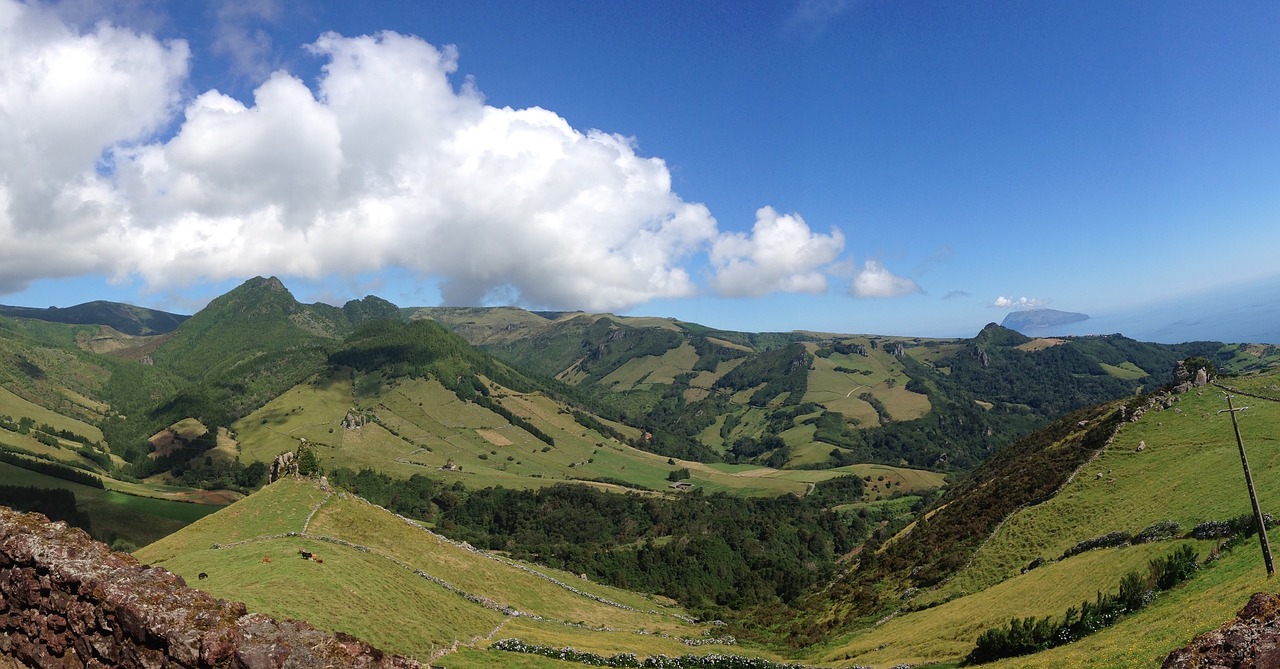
x=1030, y=635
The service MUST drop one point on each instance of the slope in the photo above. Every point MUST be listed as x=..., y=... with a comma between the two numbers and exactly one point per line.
x=243, y=349
x=710, y=395
x=125, y=318
x=400, y=585
x=1175, y=461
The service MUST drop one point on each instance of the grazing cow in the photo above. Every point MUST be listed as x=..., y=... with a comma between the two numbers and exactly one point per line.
x=318, y=561
x=306, y=555
x=266, y=560
x=202, y=576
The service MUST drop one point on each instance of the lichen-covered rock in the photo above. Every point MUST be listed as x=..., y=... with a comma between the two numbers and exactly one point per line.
x=1251, y=641
x=67, y=601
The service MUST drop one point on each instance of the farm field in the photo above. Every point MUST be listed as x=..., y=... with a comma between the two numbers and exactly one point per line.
x=400, y=586
x=877, y=373
x=133, y=513
x=423, y=428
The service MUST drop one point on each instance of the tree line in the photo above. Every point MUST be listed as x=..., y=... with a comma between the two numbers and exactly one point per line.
x=708, y=551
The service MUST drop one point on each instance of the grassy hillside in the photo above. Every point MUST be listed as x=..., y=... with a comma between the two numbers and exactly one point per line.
x=400, y=586
x=701, y=393
x=1186, y=471
x=416, y=426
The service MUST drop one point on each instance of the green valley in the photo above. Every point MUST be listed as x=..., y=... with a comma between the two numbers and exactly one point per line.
x=612, y=484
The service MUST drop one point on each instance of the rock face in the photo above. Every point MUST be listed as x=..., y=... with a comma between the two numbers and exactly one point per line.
x=1251, y=641
x=285, y=464
x=67, y=601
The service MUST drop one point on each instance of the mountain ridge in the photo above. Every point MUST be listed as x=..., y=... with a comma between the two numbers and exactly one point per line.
x=125, y=318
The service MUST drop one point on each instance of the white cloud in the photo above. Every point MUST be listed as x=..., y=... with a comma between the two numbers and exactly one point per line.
x=381, y=163
x=66, y=98
x=780, y=255
x=875, y=280
x=1003, y=302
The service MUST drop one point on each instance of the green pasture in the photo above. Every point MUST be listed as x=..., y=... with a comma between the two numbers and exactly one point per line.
x=66, y=452
x=652, y=369
x=949, y=631
x=423, y=428
x=1142, y=641
x=16, y=407
x=11, y=474
x=1125, y=370
x=115, y=515
x=309, y=410
x=357, y=521
x=376, y=595
x=1188, y=471
x=700, y=385
x=355, y=592
x=878, y=373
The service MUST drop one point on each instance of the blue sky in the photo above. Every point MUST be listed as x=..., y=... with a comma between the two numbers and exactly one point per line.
x=889, y=167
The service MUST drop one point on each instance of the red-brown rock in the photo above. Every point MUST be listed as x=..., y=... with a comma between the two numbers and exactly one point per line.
x=68, y=601
x=1251, y=641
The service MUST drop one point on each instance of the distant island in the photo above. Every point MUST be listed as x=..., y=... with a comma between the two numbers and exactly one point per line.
x=1039, y=319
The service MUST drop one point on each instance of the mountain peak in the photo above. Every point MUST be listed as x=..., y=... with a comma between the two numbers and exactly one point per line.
x=998, y=335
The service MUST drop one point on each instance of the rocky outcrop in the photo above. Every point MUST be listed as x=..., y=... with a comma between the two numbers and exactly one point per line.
x=1251, y=641
x=67, y=601
x=285, y=464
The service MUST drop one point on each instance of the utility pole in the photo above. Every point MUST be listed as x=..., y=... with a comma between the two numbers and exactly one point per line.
x=1253, y=496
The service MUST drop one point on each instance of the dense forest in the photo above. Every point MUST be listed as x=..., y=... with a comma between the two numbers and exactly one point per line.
x=710, y=552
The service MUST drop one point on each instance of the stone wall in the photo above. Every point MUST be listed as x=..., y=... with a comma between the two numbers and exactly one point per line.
x=68, y=601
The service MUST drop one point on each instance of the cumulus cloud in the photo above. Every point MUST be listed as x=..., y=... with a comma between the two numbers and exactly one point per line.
x=875, y=280
x=381, y=162
x=66, y=98
x=780, y=255
x=1003, y=302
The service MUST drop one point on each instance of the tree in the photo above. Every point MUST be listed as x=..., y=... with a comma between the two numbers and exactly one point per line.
x=308, y=462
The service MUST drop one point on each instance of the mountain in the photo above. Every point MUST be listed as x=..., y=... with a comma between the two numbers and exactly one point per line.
x=124, y=318
x=1062, y=517
x=708, y=395
x=258, y=340
x=1028, y=321
x=787, y=482
x=1239, y=313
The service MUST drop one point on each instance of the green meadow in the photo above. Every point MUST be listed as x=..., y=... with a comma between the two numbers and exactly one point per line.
x=115, y=515
x=369, y=580
x=423, y=428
